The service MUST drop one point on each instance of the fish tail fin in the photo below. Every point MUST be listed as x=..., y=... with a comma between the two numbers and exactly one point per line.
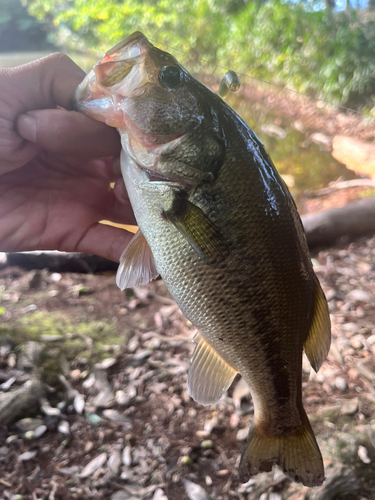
x=297, y=454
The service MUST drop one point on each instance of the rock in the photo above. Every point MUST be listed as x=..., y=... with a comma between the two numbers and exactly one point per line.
x=28, y=455
x=123, y=398
x=7, y=385
x=94, y=465
x=242, y=434
x=350, y=328
x=123, y=495
x=350, y=407
x=356, y=342
x=51, y=338
x=79, y=403
x=210, y=424
x=93, y=418
x=75, y=374
x=28, y=424
x=114, y=462
x=371, y=340
x=330, y=294
x=63, y=427
x=11, y=440
x=363, y=454
x=360, y=296
x=90, y=381
x=341, y=384
x=48, y=410
x=116, y=416
x=207, y=444
x=202, y=434
x=39, y=431
x=106, y=363
x=159, y=495
x=186, y=460
x=241, y=391
x=29, y=435
x=27, y=309
x=141, y=355
x=88, y=447
x=55, y=277
x=127, y=456
x=194, y=491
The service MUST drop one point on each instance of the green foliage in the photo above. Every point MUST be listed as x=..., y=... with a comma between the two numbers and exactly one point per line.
x=319, y=52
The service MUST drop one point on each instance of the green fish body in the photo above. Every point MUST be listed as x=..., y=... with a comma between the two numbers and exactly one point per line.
x=219, y=225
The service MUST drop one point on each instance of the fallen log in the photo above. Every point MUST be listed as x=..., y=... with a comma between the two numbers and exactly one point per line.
x=322, y=229
x=354, y=219
x=57, y=262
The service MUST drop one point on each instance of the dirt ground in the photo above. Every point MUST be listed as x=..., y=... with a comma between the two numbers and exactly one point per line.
x=154, y=437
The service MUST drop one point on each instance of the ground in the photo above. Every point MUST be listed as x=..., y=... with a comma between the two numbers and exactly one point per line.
x=138, y=401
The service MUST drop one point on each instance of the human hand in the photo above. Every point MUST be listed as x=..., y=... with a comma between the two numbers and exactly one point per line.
x=55, y=170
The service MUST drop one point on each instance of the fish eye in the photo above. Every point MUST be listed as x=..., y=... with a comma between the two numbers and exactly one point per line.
x=170, y=76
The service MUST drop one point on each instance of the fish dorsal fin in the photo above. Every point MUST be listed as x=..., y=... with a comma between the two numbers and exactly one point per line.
x=201, y=234
x=319, y=338
x=209, y=375
x=137, y=266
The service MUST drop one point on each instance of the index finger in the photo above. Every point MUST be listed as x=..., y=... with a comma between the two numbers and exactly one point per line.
x=47, y=82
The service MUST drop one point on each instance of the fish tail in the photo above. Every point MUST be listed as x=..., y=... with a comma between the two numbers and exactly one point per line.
x=297, y=454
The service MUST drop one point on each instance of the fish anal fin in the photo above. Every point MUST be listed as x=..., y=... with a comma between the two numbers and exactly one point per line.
x=201, y=234
x=209, y=375
x=318, y=340
x=137, y=266
x=297, y=455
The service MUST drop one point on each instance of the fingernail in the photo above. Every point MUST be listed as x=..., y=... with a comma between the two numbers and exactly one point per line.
x=26, y=127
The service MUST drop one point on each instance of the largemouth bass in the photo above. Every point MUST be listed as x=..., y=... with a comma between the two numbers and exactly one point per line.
x=219, y=225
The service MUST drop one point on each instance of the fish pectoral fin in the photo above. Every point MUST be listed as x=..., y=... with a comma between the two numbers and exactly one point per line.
x=297, y=454
x=137, y=266
x=318, y=340
x=209, y=375
x=201, y=234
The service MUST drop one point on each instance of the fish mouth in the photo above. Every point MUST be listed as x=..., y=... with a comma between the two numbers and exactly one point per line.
x=122, y=70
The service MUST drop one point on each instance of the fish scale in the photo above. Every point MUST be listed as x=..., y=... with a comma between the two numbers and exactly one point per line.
x=219, y=225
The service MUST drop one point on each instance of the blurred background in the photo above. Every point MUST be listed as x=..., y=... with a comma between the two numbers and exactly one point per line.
x=324, y=50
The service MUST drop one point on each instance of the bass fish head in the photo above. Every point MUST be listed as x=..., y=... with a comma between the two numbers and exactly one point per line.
x=165, y=117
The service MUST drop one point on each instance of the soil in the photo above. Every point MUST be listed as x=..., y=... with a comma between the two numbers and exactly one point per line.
x=168, y=440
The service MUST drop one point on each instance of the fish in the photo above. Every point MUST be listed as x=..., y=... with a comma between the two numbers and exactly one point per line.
x=218, y=224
